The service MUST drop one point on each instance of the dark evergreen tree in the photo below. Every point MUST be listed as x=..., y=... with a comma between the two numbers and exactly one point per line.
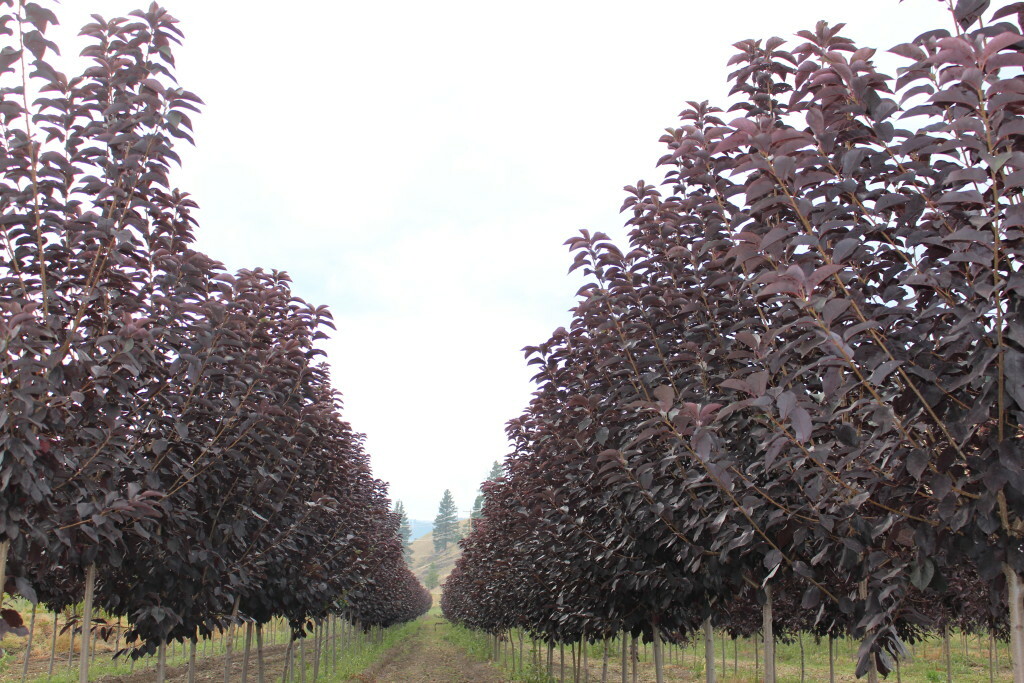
x=478, y=504
x=404, y=531
x=446, y=524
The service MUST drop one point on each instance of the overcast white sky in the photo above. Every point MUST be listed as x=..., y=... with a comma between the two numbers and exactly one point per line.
x=417, y=166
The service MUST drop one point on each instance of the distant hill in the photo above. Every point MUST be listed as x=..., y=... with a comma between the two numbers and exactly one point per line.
x=423, y=556
x=420, y=527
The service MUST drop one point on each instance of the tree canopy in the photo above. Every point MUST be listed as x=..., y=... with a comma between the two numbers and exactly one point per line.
x=800, y=381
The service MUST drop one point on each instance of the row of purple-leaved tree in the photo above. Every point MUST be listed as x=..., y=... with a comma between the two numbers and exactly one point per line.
x=801, y=384
x=171, y=449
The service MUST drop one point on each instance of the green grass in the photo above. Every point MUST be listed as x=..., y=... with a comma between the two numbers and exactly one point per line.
x=357, y=660
x=475, y=643
x=927, y=662
x=351, y=660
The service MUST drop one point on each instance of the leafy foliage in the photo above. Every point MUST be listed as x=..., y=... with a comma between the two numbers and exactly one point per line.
x=804, y=371
x=162, y=419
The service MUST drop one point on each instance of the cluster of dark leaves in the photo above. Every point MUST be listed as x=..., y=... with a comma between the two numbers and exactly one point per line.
x=160, y=418
x=806, y=372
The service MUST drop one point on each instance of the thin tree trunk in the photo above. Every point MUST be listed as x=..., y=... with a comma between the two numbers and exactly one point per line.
x=946, y=651
x=724, y=670
x=161, y=662
x=625, y=663
x=659, y=655
x=709, y=652
x=757, y=660
x=634, y=656
x=321, y=644
x=769, y=637
x=248, y=649
x=561, y=662
x=899, y=674
x=991, y=658
x=551, y=658
x=604, y=662
x=260, y=670
x=831, y=660
x=800, y=638
x=28, y=646
x=230, y=640
x=53, y=646
x=5, y=547
x=735, y=656
x=302, y=658
x=90, y=589
x=192, y=659
x=586, y=660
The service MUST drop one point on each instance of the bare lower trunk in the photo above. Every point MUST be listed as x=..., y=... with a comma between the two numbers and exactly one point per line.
x=90, y=589
x=288, y=659
x=5, y=547
x=161, y=662
x=260, y=670
x=659, y=655
x=803, y=669
x=192, y=659
x=634, y=656
x=604, y=663
x=53, y=646
x=28, y=646
x=248, y=649
x=709, y=652
x=230, y=641
x=769, y=637
x=991, y=660
x=946, y=647
x=757, y=660
x=831, y=660
x=625, y=662
x=335, y=622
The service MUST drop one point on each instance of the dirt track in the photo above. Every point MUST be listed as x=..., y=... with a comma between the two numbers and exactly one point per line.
x=425, y=657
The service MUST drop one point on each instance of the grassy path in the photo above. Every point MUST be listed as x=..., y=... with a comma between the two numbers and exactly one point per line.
x=426, y=656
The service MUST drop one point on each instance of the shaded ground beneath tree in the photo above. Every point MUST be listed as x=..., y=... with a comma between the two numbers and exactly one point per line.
x=212, y=668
